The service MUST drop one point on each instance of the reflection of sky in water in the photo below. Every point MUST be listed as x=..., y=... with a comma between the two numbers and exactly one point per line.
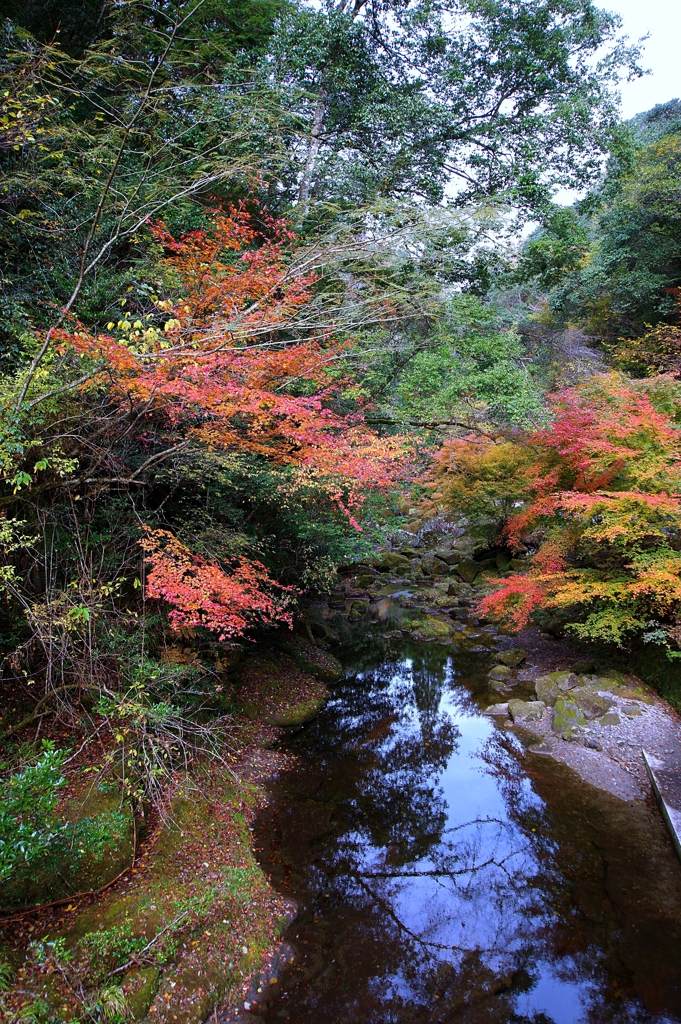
x=471, y=892
x=445, y=854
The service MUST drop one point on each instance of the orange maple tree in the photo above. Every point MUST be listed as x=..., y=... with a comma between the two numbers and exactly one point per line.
x=231, y=364
x=596, y=496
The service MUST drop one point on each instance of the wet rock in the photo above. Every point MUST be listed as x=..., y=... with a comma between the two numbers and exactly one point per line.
x=454, y=589
x=567, y=715
x=526, y=710
x=363, y=582
x=500, y=687
x=468, y=570
x=513, y=657
x=500, y=673
x=409, y=552
x=610, y=719
x=503, y=562
x=501, y=710
x=591, y=704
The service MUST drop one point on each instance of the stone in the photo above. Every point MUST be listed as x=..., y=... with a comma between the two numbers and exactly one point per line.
x=468, y=570
x=567, y=715
x=500, y=672
x=500, y=687
x=497, y=709
x=449, y=557
x=610, y=719
x=517, y=563
x=363, y=582
x=632, y=710
x=591, y=704
x=503, y=562
x=546, y=690
x=562, y=681
x=526, y=710
x=337, y=601
x=514, y=657
x=392, y=562
x=358, y=609
x=431, y=629
x=409, y=552
x=593, y=744
x=454, y=589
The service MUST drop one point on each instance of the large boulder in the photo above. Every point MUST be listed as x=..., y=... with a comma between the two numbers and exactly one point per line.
x=567, y=715
x=439, y=531
x=500, y=710
x=392, y=561
x=433, y=566
x=551, y=686
x=592, y=704
x=468, y=570
x=523, y=711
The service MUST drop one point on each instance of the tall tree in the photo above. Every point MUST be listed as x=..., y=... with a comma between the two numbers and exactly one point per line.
x=405, y=97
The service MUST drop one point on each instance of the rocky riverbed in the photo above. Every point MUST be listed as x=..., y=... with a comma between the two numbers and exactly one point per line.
x=563, y=703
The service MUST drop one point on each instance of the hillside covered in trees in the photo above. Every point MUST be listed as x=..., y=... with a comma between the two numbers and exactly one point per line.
x=277, y=281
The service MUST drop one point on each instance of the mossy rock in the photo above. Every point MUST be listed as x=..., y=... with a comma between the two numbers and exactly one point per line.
x=591, y=704
x=524, y=711
x=550, y=686
x=449, y=557
x=315, y=660
x=500, y=673
x=567, y=715
x=392, y=562
x=468, y=570
x=140, y=987
x=364, y=582
x=513, y=657
x=298, y=714
x=430, y=629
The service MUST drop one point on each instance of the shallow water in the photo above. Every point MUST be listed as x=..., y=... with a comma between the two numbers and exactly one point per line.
x=444, y=874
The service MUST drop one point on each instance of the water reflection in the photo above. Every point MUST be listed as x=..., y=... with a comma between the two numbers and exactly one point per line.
x=444, y=876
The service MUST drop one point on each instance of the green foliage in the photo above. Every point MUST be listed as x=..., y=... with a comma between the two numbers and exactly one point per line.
x=615, y=267
x=473, y=367
x=32, y=837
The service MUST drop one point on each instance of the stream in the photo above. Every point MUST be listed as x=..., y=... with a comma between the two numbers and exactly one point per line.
x=443, y=873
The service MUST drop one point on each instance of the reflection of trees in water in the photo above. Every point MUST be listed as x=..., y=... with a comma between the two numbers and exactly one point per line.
x=409, y=918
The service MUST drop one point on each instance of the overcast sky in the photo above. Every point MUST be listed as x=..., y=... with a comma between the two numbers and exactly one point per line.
x=662, y=53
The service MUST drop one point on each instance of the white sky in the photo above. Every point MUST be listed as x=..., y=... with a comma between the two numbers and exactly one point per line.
x=662, y=52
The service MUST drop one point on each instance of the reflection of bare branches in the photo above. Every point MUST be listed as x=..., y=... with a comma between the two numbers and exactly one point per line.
x=429, y=943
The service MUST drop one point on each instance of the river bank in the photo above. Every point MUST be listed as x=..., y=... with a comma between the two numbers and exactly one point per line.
x=199, y=896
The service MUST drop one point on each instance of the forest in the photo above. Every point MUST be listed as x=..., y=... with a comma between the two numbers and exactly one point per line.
x=281, y=281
